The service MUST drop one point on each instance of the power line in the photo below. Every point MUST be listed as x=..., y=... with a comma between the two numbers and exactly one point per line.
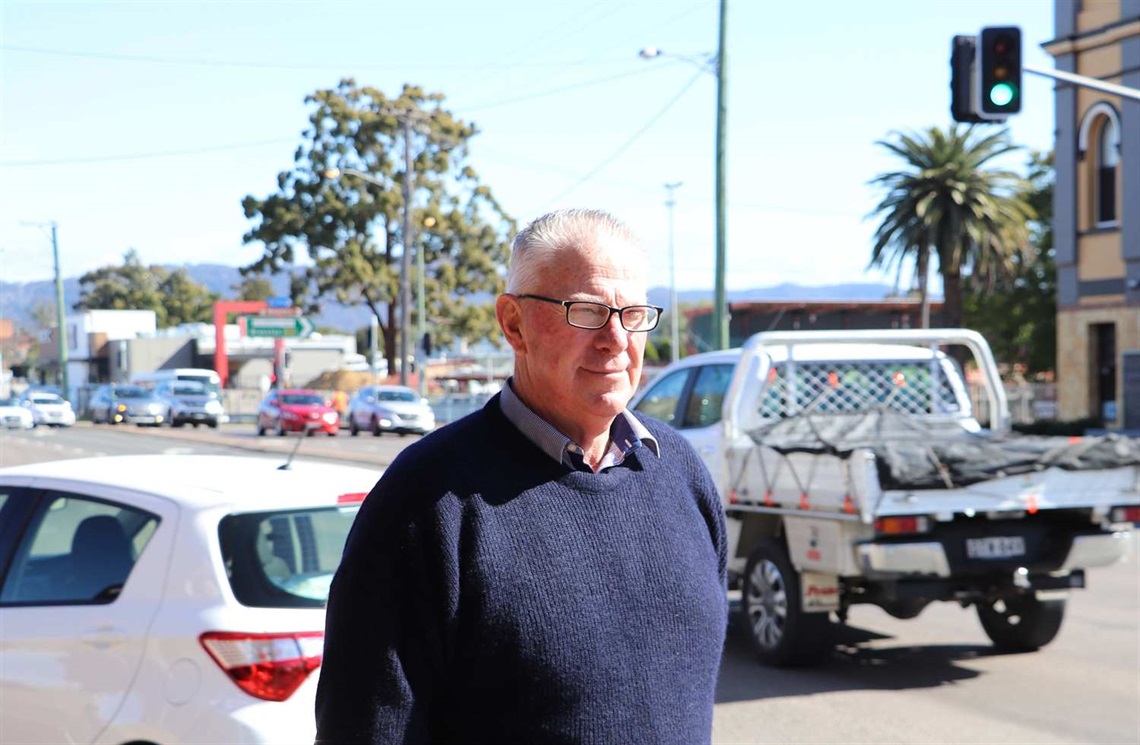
x=625, y=145
x=140, y=156
x=553, y=91
x=151, y=59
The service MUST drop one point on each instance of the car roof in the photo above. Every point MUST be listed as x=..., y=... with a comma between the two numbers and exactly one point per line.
x=203, y=481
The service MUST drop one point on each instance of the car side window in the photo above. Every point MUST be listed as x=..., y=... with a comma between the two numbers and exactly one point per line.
x=661, y=399
x=76, y=550
x=707, y=397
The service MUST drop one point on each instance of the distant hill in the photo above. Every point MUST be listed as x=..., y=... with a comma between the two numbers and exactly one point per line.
x=18, y=299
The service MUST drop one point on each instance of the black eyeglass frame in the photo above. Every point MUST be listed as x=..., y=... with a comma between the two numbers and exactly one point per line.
x=567, y=304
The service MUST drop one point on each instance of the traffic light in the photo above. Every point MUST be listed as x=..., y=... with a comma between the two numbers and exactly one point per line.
x=963, y=55
x=997, y=93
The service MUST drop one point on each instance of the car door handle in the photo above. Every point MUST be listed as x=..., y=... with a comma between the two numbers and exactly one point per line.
x=104, y=637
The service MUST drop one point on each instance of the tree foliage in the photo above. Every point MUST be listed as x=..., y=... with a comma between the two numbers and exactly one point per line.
x=343, y=237
x=174, y=297
x=1018, y=315
x=254, y=289
x=950, y=204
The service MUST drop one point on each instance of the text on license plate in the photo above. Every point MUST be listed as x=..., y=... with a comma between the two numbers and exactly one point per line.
x=996, y=547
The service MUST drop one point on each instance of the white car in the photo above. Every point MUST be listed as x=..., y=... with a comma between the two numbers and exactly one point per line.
x=50, y=409
x=167, y=598
x=13, y=415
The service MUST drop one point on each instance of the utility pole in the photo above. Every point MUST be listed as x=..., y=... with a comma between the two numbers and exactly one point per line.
x=61, y=331
x=720, y=336
x=674, y=310
x=405, y=258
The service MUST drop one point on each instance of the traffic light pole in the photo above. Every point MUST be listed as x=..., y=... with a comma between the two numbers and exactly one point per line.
x=1084, y=82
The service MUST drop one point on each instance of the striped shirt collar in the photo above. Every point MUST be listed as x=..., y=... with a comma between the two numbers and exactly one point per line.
x=626, y=434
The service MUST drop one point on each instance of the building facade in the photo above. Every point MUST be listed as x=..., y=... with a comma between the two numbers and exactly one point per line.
x=1097, y=213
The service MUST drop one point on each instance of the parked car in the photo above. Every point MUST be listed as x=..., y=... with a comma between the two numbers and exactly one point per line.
x=122, y=404
x=296, y=411
x=50, y=409
x=389, y=408
x=190, y=402
x=167, y=598
x=14, y=415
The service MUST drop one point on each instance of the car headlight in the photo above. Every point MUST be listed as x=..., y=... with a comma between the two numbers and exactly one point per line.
x=331, y=417
x=214, y=407
x=121, y=408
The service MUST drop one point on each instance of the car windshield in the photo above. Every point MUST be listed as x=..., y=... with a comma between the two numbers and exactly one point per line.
x=132, y=391
x=9, y=402
x=46, y=398
x=302, y=399
x=189, y=389
x=390, y=395
x=284, y=559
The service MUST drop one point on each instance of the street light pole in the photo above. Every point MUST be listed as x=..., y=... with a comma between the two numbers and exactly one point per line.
x=674, y=310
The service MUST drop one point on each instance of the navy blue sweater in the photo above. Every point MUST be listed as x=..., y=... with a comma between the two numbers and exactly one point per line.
x=490, y=595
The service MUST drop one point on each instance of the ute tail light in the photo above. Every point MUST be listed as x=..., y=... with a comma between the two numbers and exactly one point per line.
x=351, y=498
x=1129, y=514
x=266, y=666
x=902, y=525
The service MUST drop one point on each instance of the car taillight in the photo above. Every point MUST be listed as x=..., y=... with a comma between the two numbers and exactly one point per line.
x=351, y=498
x=1130, y=514
x=266, y=666
x=902, y=525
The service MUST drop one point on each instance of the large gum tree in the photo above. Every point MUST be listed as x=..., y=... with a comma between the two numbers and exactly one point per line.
x=342, y=237
x=950, y=203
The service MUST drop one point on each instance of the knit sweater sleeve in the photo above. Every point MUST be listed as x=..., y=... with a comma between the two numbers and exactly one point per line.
x=386, y=628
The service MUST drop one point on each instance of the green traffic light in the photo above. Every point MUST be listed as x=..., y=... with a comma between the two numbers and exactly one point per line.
x=1001, y=94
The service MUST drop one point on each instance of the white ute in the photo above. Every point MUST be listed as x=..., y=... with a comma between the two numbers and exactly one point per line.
x=852, y=470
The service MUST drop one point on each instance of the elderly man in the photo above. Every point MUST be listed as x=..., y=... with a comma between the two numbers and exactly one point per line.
x=551, y=568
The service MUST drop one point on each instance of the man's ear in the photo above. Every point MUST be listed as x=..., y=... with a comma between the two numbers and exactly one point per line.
x=509, y=314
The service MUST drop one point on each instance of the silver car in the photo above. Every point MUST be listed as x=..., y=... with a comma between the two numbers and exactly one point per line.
x=389, y=408
x=115, y=404
x=190, y=402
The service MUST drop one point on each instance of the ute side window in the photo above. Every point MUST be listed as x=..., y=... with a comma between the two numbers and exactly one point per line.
x=707, y=396
x=661, y=400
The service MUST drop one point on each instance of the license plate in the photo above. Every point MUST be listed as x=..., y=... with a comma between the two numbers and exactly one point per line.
x=998, y=547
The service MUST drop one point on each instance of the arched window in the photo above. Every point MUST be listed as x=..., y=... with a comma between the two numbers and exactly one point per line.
x=1101, y=125
x=1107, y=157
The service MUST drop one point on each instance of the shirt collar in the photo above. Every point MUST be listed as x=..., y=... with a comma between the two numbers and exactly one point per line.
x=626, y=433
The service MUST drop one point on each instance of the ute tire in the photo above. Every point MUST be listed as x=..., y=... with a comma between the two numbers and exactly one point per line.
x=1022, y=623
x=780, y=633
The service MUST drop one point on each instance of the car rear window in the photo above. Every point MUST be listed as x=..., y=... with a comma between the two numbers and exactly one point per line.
x=284, y=559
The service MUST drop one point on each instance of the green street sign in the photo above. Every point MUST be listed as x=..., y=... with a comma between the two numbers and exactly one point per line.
x=275, y=327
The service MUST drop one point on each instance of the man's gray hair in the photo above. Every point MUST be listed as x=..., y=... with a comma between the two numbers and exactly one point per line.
x=565, y=229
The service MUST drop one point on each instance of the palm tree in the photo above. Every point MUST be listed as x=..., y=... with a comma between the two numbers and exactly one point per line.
x=973, y=218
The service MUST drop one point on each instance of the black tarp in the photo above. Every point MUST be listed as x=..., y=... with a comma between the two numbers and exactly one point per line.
x=916, y=453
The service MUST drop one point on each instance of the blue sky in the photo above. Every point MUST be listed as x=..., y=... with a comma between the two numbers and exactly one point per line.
x=143, y=125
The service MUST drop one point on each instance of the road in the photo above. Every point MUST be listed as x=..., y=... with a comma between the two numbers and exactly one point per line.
x=934, y=679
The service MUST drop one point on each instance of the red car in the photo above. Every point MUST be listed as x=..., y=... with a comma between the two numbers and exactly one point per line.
x=297, y=411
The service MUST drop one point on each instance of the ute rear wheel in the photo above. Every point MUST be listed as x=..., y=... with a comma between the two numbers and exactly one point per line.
x=1023, y=623
x=781, y=633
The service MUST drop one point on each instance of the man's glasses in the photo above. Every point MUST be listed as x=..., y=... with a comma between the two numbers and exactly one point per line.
x=583, y=314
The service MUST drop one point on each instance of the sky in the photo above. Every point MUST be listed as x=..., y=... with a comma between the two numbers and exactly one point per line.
x=143, y=125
